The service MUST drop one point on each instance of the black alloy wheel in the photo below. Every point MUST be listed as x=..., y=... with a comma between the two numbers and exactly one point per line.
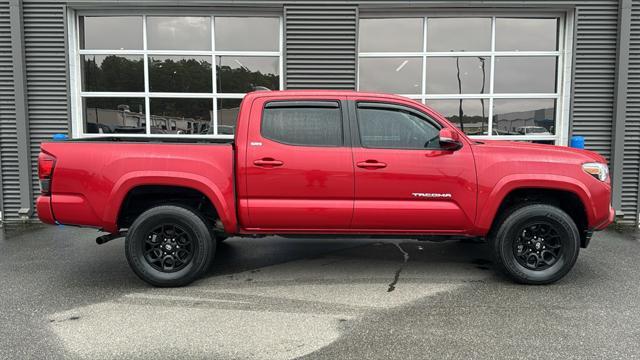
x=538, y=246
x=535, y=243
x=168, y=248
x=169, y=245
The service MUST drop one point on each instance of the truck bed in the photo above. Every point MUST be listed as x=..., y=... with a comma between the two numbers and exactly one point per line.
x=93, y=176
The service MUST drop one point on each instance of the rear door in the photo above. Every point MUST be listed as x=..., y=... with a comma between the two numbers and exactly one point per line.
x=403, y=180
x=299, y=165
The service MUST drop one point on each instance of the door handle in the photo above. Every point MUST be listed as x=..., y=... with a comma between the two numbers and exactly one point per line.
x=268, y=162
x=371, y=164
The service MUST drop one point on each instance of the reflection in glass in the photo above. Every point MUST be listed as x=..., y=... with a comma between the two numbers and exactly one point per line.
x=392, y=75
x=458, y=75
x=470, y=115
x=178, y=33
x=526, y=34
x=113, y=115
x=524, y=116
x=112, y=73
x=389, y=35
x=241, y=74
x=227, y=116
x=111, y=32
x=180, y=74
x=247, y=34
x=458, y=34
x=181, y=116
x=530, y=74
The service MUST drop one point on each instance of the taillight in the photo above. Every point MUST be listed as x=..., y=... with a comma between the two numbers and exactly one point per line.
x=46, y=163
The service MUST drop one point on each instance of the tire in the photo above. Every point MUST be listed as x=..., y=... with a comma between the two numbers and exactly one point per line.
x=536, y=244
x=169, y=246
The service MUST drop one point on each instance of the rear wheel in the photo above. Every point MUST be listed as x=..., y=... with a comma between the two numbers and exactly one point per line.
x=536, y=244
x=169, y=246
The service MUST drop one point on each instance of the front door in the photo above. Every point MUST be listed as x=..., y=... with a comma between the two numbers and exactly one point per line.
x=403, y=180
x=299, y=168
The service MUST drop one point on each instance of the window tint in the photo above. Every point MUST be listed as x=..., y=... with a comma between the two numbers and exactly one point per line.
x=303, y=124
x=111, y=32
x=232, y=33
x=388, y=128
x=394, y=34
x=458, y=34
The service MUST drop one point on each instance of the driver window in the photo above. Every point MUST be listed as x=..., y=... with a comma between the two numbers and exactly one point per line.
x=392, y=128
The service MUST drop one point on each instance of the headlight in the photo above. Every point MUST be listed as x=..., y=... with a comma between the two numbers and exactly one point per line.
x=597, y=170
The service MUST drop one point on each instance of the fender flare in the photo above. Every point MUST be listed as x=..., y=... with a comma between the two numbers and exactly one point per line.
x=507, y=184
x=225, y=210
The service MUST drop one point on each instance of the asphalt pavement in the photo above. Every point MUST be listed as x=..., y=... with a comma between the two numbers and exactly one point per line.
x=63, y=296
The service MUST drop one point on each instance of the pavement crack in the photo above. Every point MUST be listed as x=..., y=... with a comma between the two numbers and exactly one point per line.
x=405, y=259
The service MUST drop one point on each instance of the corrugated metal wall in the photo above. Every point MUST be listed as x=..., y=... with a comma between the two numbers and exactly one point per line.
x=630, y=185
x=320, y=43
x=594, y=73
x=46, y=66
x=8, y=142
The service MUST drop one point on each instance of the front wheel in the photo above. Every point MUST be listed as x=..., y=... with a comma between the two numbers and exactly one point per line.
x=169, y=246
x=536, y=244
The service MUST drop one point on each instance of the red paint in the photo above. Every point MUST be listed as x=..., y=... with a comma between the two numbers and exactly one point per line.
x=280, y=188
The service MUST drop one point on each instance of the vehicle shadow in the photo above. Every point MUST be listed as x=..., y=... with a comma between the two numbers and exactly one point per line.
x=238, y=255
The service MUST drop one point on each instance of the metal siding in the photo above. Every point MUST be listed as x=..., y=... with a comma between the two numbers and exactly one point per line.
x=631, y=176
x=8, y=138
x=594, y=74
x=46, y=66
x=320, y=47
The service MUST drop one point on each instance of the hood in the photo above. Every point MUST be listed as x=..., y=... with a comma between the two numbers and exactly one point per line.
x=543, y=150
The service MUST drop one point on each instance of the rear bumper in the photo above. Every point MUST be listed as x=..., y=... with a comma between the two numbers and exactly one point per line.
x=43, y=206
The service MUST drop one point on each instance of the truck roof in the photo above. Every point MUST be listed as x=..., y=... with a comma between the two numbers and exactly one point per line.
x=288, y=93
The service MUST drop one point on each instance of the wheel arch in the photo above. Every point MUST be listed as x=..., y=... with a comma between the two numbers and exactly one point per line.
x=568, y=194
x=223, y=206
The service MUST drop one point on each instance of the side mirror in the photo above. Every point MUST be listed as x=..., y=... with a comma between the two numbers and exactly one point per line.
x=449, y=140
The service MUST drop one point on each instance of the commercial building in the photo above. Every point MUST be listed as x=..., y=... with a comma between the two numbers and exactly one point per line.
x=538, y=71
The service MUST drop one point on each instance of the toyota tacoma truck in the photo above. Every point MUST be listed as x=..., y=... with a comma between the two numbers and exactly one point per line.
x=322, y=163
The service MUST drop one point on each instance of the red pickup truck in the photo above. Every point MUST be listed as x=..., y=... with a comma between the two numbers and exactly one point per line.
x=328, y=162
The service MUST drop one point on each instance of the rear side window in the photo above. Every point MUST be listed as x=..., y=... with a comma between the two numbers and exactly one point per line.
x=314, y=123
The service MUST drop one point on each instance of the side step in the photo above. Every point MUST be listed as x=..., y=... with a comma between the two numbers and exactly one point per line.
x=108, y=237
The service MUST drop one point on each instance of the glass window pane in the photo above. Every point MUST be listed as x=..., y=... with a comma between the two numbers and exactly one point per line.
x=458, y=34
x=111, y=32
x=311, y=126
x=112, y=73
x=524, y=116
x=241, y=74
x=178, y=33
x=470, y=115
x=247, y=34
x=180, y=74
x=526, y=34
x=228, y=115
x=395, y=129
x=458, y=75
x=531, y=74
x=181, y=116
x=391, y=35
x=107, y=115
x=392, y=75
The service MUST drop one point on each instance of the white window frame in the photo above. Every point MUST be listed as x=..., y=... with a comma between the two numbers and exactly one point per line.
x=75, y=70
x=564, y=56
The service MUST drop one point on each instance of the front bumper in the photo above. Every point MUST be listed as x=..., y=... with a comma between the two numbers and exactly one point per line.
x=610, y=219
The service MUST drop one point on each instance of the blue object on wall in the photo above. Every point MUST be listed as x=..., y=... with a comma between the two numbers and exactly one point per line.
x=60, y=137
x=577, y=142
